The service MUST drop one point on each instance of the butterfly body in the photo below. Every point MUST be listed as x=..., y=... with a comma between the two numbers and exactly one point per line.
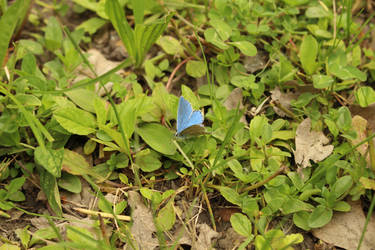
x=189, y=121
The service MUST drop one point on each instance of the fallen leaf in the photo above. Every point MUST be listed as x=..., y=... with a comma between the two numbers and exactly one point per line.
x=345, y=229
x=359, y=125
x=255, y=63
x=232, y=101
x=100, y=65
x=284, y=99
x=143, y=228
x=310, y=145
x=206, y=234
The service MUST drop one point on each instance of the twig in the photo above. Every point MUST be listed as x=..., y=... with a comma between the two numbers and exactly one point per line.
x=105, y=215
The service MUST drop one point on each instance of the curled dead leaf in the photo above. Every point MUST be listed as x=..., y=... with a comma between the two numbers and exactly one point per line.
x=310, y=145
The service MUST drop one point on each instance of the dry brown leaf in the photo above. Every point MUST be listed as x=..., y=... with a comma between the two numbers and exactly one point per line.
x=284, y=99
x=255, y=63
x=206, y=234
x=143, y=227
x=232, y=101
x=359, y=125
x=100, y=65
x=310, y=145
x=345, y=230
x=367, y=113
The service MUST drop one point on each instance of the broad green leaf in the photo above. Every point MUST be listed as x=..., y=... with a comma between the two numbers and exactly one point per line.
x=76, y=121
x=222, y=28
x=300, y=219
x=46, y=233
x=100, y=111
x=8, y=22
x=84, y=98
x=157, y=137
x=342, y=185
x=320, y=217
x=82, y=236
x=294, y=205
x=31, y=46
x=166, y=217
x=76, y=164
x=308, y=53
x=212, y=37
x=344, y=120
x=365, y=96
x=196, y=69
x=7, y=246
x=171, y=45
x=341, y=206
x=23, y=235
x=241, y=224
x=49, y=186
x=49, y=159
x=367, y=183
x=316, y=12
x=53, y=34
x=70, y=182
x=322, y=81
x=91, y=25
x=128, y=117
x=247, y=48
x=147, y=160
x=231, y=195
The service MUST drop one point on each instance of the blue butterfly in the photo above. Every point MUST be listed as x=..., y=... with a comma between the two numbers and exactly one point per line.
x=189, y=122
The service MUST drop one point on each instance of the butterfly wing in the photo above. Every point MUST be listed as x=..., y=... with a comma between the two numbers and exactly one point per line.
x=189, y=122
x=183, y=114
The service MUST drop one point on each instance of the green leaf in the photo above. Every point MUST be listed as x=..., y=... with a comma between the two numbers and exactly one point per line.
x=24, y=236
x=70, y=182
x=308, y=53
x=84, y=98
x=53, y=34
x=76, y=164
x=138, y=10
x=171, y=45
x=320, y=217
x=91, y=25
x=341, y=206
x=117, y=17
x=7, y=246
x=365, y=96
x=342, y=185
x=49, y=186
x=148, y=160
x=212, y=37
x=300, y=219
x=322, y=81
x=222, y=28
x=8, y=23
x=241, y=224
x=31, y=46
x=344, y=120
x=82, y=236
x=166, y=217
x=231, y=195
x=49, y=159
x=247, y=48
x=157, y=137
x=316, y=12
x=196, y=69
x=46, y=233
x=76, y=121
